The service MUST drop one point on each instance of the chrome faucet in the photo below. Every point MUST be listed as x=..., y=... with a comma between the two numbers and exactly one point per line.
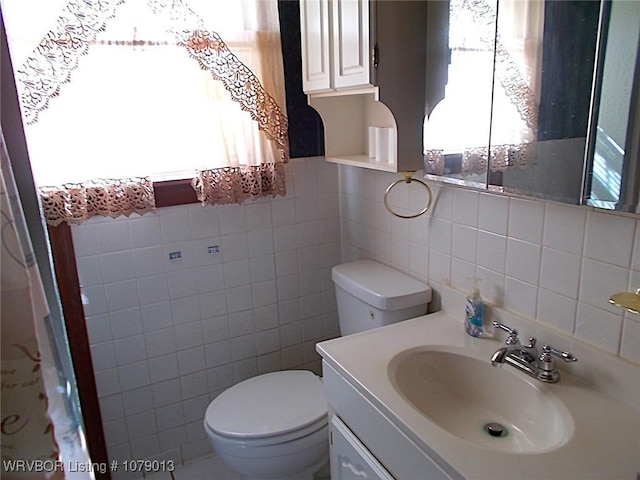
x=526, y=359
x=527, y=353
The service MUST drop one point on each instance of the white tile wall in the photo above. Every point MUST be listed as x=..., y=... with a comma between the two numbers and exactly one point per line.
x=168, y=335
x=556, y=264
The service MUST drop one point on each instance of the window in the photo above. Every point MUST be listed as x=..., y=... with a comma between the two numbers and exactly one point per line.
x=165, y=90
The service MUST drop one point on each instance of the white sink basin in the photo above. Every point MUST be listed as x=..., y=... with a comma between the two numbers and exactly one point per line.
x=462, y=395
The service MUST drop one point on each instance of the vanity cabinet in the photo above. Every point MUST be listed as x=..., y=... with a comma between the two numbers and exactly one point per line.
x=350, y=460
x=365, y=444
x=364, y=72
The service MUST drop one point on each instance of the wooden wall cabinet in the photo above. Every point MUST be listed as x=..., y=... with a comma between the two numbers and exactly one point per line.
x=364, y=72
x=335, y=44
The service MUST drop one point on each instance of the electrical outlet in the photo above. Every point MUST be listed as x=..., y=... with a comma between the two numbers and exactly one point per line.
x=175, y=256
x=213, y=249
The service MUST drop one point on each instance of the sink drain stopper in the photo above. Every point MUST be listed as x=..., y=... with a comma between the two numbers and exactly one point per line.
x=495, y=429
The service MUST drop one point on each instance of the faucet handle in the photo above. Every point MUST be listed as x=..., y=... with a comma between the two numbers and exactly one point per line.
x=512, y=339
x=566, y=356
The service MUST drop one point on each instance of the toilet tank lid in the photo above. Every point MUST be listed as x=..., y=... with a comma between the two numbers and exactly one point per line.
x=380, y=286
x=267, y=405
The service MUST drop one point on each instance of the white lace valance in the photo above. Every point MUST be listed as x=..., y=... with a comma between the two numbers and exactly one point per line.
x=76, y=203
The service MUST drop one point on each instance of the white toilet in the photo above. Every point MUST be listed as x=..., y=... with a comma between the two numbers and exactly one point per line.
x=275, y=426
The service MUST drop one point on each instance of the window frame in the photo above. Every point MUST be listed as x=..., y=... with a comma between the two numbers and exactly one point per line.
x=168, y=193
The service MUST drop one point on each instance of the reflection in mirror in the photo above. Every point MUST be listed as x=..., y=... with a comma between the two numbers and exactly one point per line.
x=516, y=103
x=457, y=127
x=612, y=182
x=570, y=31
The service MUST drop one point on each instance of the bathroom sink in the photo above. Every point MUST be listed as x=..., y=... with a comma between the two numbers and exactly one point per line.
x=490, y=407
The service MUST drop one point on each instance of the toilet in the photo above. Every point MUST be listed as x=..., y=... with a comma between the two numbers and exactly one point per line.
x=275, y=425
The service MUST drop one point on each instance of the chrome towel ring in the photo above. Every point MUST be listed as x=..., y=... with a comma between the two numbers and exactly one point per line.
x=407, y=179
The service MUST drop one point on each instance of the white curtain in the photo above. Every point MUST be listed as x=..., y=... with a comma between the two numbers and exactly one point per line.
x=165, y=90
x=27, y=429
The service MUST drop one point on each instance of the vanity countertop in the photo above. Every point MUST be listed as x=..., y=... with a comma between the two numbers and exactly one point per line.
x=605, y=442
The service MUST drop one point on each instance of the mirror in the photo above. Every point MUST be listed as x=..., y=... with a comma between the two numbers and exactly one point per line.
x=612, y=179
x=545, y=95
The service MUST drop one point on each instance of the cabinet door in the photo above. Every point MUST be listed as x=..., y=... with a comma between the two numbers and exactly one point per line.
x=314, y=27
x=350, y=460
x=350, y=22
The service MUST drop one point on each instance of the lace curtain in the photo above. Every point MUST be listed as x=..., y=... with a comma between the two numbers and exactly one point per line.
x=151, y=90
x=490, y=120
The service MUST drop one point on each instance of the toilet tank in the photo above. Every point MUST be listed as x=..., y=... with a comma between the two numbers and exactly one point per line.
x=371, y=295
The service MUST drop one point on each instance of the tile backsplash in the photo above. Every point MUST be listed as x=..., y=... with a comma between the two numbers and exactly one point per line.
x=556, y=264
x=186, y=302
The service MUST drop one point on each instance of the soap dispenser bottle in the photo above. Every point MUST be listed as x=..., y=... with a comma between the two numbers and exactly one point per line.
x=474, y=320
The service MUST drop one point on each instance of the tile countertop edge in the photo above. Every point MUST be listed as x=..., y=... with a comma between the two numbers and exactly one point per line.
x=461, y=456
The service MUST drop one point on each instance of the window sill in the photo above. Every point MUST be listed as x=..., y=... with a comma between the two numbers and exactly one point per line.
x=174, y=192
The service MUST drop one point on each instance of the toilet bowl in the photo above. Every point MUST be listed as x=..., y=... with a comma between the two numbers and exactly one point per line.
x=275, y=426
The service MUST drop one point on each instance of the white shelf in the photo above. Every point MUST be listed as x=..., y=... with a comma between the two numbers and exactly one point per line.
x=361, y=90
x=363, y=161
x=347, y=118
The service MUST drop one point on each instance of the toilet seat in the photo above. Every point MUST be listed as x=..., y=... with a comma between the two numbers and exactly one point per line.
x=320, y=427
x=271, y=408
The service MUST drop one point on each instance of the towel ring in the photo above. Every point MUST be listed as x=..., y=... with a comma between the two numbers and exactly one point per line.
x=407, y=179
